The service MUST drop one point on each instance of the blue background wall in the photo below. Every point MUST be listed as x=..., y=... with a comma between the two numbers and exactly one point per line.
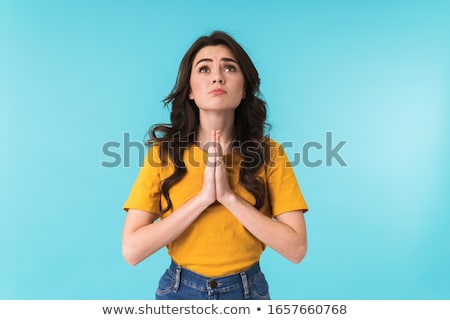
x=77, y=75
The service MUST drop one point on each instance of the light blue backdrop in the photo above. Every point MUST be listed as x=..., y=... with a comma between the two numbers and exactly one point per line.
x=77, y=75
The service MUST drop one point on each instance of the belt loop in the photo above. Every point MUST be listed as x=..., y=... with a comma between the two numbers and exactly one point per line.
x=177, y=278
x=245, y=284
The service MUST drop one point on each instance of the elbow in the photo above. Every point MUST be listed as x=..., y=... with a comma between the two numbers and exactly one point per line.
x=130, y=259
x=298, y=255
x=130, y=255
x=132, y=262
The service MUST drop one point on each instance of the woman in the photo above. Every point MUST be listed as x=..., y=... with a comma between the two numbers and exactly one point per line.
x=222, y=190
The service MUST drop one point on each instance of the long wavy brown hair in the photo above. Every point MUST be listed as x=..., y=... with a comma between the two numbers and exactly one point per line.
x=249, y=121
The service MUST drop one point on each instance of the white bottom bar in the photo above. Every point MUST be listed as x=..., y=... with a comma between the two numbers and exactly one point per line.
x=276, y=309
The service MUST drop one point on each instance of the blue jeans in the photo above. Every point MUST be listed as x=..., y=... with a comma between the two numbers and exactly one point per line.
x=178, y=283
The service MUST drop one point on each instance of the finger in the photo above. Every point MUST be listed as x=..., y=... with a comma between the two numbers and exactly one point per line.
x=218, y=145
x=218, y=135
x=219, y=161
x=219, y=155
x=212, y=150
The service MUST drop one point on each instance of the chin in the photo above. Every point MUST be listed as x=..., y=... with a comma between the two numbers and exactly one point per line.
x=217, y=107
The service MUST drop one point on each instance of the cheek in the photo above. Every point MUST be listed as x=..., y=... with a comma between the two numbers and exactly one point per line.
x=195, y=87
x=192, y=89
x=243, y=89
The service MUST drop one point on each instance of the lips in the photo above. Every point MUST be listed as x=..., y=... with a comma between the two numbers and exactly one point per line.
x=217, y=91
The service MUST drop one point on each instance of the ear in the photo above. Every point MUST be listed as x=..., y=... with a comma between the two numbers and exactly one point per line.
x=244, y=94
x=191, y=96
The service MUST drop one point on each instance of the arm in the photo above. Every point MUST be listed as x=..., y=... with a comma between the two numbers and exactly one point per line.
x=143, y=235
x=286, y=234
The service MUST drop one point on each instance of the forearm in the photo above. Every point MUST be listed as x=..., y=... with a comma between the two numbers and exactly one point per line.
x=288, y=240
x=142, y=242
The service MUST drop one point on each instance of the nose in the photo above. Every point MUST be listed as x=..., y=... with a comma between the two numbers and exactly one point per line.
x=218, y=79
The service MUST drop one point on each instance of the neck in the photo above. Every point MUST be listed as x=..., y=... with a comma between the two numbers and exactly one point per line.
x=223, y=121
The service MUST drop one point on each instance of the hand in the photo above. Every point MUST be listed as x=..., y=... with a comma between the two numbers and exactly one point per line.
x=221, y=175
x=208, y=191
x=215, y=180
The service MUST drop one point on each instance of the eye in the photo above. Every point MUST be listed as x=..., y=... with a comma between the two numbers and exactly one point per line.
x=203, y=69
x=230, y=68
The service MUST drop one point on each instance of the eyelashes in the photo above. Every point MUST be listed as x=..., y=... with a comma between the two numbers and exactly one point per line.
x=230, y=68
x=226, y=68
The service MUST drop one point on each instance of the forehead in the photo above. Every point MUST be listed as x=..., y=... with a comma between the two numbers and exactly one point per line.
x=214, y=53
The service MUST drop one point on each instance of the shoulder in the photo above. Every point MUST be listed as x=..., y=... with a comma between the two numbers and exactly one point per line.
x=269, y=141
x=273, y=148
x=154, y=157
x=276, y=156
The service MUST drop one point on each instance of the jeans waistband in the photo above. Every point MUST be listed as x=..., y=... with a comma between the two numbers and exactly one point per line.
x=213, y=283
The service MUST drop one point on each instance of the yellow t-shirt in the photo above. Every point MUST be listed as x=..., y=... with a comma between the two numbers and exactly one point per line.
x=216, y=244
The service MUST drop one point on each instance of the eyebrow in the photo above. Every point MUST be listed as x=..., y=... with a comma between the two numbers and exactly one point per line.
x=210, y=60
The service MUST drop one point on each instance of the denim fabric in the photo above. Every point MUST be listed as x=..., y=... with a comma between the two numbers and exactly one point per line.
x=178, y=283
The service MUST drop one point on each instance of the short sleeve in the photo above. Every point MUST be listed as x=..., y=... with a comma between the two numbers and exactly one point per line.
x=145, y=194
x=284, y=191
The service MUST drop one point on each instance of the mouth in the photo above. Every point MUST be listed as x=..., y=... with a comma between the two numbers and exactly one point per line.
x=218, y=91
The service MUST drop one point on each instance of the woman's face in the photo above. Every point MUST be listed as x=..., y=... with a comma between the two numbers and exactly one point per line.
x=217, y=82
